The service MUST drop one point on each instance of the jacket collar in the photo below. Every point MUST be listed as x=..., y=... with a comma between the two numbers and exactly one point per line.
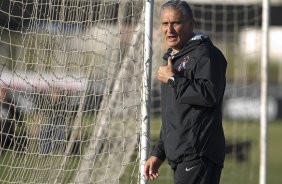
x=192, y=43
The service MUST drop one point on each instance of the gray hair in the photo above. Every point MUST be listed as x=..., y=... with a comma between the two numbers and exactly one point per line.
x=181, y=5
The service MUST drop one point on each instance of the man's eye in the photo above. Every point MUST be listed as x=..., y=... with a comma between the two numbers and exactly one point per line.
x=177, y=23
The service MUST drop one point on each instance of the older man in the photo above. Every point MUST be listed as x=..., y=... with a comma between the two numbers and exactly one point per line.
x=193, y=84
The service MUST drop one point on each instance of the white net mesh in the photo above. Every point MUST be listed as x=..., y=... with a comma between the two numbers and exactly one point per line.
x=70, y=90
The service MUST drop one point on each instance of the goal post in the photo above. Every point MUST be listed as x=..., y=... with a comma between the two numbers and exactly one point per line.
x=146, y=89
x=264, y=93
x=72, y=98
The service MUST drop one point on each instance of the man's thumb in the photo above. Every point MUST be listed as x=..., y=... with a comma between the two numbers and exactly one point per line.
x=169, y=62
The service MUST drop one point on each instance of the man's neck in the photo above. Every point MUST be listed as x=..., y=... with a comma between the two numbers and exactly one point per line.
x=174, y=52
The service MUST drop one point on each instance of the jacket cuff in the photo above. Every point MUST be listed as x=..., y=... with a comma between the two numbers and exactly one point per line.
x=158, y=153
x=176, y=80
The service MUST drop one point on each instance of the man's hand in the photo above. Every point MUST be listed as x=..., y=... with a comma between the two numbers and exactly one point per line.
x=165, y=72
x=151, y=168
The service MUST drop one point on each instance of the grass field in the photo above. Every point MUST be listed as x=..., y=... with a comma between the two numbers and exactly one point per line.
x=236, y=171
x=246, y=171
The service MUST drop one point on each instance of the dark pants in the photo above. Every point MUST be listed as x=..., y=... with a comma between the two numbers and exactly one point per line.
x=200, y=171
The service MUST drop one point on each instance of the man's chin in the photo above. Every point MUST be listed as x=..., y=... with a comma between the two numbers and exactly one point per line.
x=171, y=45
x=174, y=47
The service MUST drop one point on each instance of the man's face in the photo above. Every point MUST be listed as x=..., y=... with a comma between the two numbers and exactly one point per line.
x=177, y=29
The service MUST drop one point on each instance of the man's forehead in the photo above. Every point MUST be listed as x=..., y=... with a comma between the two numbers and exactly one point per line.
x=169, y=10
x=171, y=15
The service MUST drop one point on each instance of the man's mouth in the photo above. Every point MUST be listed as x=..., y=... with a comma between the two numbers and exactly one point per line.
x=172, y=38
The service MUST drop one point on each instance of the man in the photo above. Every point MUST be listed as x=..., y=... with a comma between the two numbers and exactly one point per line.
x=193, y=84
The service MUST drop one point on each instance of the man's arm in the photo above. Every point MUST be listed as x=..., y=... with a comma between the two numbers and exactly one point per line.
x=158, y=150
x=207, y=86
x=152, y=165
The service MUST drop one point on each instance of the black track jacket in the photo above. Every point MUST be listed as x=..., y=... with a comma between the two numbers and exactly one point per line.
x=191, y=111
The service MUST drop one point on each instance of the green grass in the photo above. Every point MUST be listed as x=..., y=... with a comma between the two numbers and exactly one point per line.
x=275, y=153
x=27, y=168
x=21, y=167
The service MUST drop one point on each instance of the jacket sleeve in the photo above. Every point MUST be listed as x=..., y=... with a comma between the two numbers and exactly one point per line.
x=158, y=150
x=204, y=83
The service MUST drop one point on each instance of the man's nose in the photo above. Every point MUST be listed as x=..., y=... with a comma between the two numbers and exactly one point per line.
x=170, y=28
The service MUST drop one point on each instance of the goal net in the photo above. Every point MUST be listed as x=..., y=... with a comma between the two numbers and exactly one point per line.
x=235, y=27
x=71, y=73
